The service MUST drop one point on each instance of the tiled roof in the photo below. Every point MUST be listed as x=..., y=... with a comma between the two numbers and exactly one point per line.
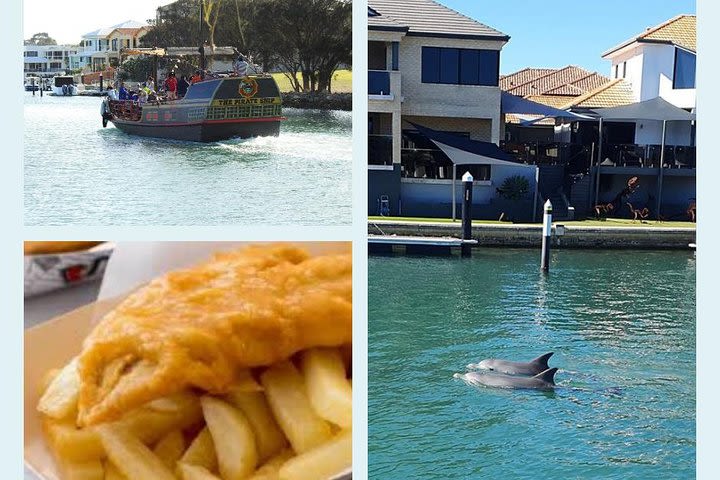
x=522, y=76
x=427, y=18
x=555, y=101
x=679, y=30
x=570, y=80
x=102, y=32
x=612, y=94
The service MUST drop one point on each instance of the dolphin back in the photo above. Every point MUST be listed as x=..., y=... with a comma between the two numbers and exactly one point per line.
x=547, y=376
x=542, y=361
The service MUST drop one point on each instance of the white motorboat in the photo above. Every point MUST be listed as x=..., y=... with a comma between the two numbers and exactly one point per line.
x=65, y=86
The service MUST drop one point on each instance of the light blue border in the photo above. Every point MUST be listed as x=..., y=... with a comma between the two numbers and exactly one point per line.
x=11, y=285
x=708, y=234
x=359, y=236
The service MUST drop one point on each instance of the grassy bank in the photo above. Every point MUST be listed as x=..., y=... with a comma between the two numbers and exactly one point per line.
x=610, y=222
x=342, y=82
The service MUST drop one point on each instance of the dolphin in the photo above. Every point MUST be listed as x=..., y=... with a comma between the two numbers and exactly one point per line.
x=533, y=367
x=542, y=381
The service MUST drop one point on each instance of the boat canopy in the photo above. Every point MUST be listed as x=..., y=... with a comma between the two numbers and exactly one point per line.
x=464, y=151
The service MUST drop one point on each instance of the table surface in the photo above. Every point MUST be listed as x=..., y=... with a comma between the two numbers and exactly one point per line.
x=45, y=307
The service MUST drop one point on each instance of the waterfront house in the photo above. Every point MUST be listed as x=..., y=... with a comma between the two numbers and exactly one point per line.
x=577, y=171
x=660, y=62
x=432, y=68
x=100, y=48
x=48, y=60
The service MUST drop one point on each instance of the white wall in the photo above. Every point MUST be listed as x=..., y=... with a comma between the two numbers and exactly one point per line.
x=650, y=70
x=633, y=69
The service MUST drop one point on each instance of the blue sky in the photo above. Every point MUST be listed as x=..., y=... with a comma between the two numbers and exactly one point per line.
x=556, y=34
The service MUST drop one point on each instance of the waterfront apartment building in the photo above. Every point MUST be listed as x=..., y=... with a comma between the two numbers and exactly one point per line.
x=432, y=67
x=48, y=60
x=101, y=48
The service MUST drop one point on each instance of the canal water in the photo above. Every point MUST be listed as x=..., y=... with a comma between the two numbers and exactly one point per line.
x=77, y=173
x=621, y=324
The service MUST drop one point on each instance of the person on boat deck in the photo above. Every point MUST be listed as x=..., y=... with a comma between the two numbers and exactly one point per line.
x=123, y=94
x=171, y=86
x=182, y=87
x=112, y=93
x=196, y=78
x=150, y=83
x=240, y=66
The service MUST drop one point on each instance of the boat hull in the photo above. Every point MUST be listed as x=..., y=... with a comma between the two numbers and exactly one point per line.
x=203, y=132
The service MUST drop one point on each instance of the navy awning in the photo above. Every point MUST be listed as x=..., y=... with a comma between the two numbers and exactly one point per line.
x=510, y=103
x=464, y=151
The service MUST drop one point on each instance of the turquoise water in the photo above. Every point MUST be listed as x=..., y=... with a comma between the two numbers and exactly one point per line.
x=77, y=173
x=621, y=324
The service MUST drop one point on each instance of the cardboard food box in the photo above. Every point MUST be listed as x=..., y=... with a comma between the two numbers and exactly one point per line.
x=54, y=271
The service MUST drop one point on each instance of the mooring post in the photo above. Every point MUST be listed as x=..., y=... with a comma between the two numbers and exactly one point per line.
x=547, y=232
x=41, y=87
x=32, y=85
x=101, y=82
x=465, y=249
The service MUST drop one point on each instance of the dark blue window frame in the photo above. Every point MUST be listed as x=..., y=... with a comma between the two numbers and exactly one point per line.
x=684, y=71
x=460, y=66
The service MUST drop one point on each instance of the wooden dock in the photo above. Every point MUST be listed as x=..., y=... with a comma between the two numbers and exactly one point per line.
x=415, y=245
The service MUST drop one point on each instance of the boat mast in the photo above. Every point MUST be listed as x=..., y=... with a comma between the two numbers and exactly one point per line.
x=202, y=35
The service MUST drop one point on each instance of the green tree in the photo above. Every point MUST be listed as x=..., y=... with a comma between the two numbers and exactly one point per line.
x=41, y=38
x=306, y=39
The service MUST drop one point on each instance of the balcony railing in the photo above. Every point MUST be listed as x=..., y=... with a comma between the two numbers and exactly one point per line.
x=578, y=157
x=380, y=149
x=378, y=82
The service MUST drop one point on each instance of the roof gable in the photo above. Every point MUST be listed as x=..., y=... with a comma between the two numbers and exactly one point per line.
x=428, y=18
x=680, y=31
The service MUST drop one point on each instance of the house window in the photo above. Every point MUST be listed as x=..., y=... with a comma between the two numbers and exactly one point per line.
x=624, y=69
x=459, y=66
x=31, y=54
x=617, y=69
x=684, y=74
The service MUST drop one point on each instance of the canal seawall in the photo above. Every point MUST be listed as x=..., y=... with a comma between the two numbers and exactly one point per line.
x=530, y=236
x=318, y=101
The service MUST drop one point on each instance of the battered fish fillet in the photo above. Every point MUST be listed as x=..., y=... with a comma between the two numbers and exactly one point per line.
x=197, y=327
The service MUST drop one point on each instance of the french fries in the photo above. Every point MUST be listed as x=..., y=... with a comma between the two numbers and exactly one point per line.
x=324, y=461
x=201, y=451
x=112, y=473
x=286, y=393
x=131, y=456
x=92, y=470
x=193, y=472
x=328, y=390
x=170, y=448
x=60, y=397
x=293, y=425
x=233, y=438
x=269, y=437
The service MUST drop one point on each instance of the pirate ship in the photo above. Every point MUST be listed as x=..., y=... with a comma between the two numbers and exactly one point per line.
x=220, y=107
x=211, y=110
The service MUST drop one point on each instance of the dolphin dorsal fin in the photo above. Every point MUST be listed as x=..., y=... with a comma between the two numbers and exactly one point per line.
x=542, y=360
x=548, y=375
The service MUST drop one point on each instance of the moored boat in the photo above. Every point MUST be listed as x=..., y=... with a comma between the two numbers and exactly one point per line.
x=65, y=86
x=212, y=110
